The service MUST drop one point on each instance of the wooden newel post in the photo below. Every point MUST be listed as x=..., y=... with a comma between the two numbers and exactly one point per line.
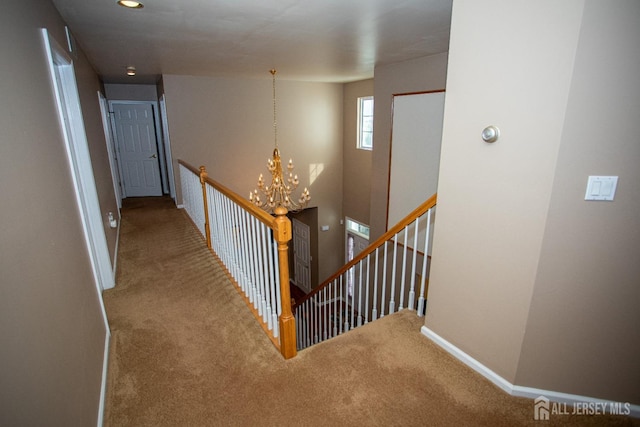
x=203, y=179
x=287, y=321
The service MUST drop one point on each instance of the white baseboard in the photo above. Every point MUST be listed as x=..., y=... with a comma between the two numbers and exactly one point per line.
x=180, y=206
x=103, y=387
x=115, y=252
x=516, y=390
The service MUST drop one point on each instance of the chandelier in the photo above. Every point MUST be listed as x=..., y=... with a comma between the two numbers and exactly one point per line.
x=278, y=192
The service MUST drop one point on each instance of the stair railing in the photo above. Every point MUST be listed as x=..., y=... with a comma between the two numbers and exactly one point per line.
x=251, y=244
x=378, y=281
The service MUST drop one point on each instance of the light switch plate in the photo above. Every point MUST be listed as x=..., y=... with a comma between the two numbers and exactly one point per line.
x=601, y=188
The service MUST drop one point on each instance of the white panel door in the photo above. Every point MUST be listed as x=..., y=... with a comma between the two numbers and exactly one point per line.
x=301, y=255
x=138, y=149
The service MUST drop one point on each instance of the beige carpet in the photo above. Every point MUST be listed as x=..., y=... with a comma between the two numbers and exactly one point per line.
x=185, y=351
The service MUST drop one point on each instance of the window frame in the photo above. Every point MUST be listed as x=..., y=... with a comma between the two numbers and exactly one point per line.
x=360, y=127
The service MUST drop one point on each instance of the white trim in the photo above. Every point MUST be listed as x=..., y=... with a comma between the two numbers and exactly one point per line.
x=69, y=111
x=180, y=206
x=115, y=250
x=65, y=91
x=111, y=150
x=167, y=146
x=103, y=386
x=515, y=390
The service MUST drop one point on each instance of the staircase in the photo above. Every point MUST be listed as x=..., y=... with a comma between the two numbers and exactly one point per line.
x=388, y=276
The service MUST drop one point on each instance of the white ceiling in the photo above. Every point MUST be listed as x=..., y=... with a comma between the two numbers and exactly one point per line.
x=321, y=40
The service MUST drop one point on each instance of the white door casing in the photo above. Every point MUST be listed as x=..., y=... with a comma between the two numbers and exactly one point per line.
x=111, y=150
x=167, y=146
x=72, y=126
x=137, y=149
x=301, y=255
x=65, y=90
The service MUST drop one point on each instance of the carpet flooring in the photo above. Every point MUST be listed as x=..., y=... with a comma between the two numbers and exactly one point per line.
x=186, y=351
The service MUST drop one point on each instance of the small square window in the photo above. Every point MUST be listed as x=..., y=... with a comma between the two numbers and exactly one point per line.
x=365, y=123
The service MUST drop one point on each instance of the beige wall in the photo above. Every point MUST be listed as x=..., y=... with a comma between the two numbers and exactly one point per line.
x=418, y=75
x=584, y=311
x=226, y=124
x=88, y=87
x=52, y=330
x=131, y=92
x=527, y=277
x=356, y=183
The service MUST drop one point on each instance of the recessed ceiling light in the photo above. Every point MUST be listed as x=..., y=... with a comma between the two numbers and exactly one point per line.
x=131, y=4
x=131, y=71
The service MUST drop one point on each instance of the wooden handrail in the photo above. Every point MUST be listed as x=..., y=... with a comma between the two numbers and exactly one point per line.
x=263, y=216
x=420, y=210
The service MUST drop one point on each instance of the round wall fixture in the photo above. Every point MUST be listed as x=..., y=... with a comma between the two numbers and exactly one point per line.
x=490, y=134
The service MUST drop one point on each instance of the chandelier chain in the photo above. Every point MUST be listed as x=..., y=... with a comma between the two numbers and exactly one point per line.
x=275, y=123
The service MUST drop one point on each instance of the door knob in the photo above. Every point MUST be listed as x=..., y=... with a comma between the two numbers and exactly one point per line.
x=152, y=157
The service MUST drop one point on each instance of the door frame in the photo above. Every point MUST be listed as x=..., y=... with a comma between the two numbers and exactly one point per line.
x=69, y=111
x=350, y=232
x=113, y=158
x=160, y=146
x=296, y=223
x=167, y=146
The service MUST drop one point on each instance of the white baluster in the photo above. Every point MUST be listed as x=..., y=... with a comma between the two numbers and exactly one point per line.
x=359, y=295
x=353, y=298
x=316, y=312
x=266, y=302
x=374, y=310
x=236, y=247
x=241, y=218
x=392, y=295
x=247, y=257
x=270, y=271
x=345, y=310
x=300, y=326
x=383, y=302
x=255, y=254
x=276, y=266
x=412, y=289
x=367, y=286
x=404, y=268
x=332, y=316
x=309, y=319
x=324, y=308
x=424, y=265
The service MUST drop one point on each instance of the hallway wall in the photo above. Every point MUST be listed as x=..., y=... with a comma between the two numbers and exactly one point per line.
x=528, y=278
x=51, y=327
